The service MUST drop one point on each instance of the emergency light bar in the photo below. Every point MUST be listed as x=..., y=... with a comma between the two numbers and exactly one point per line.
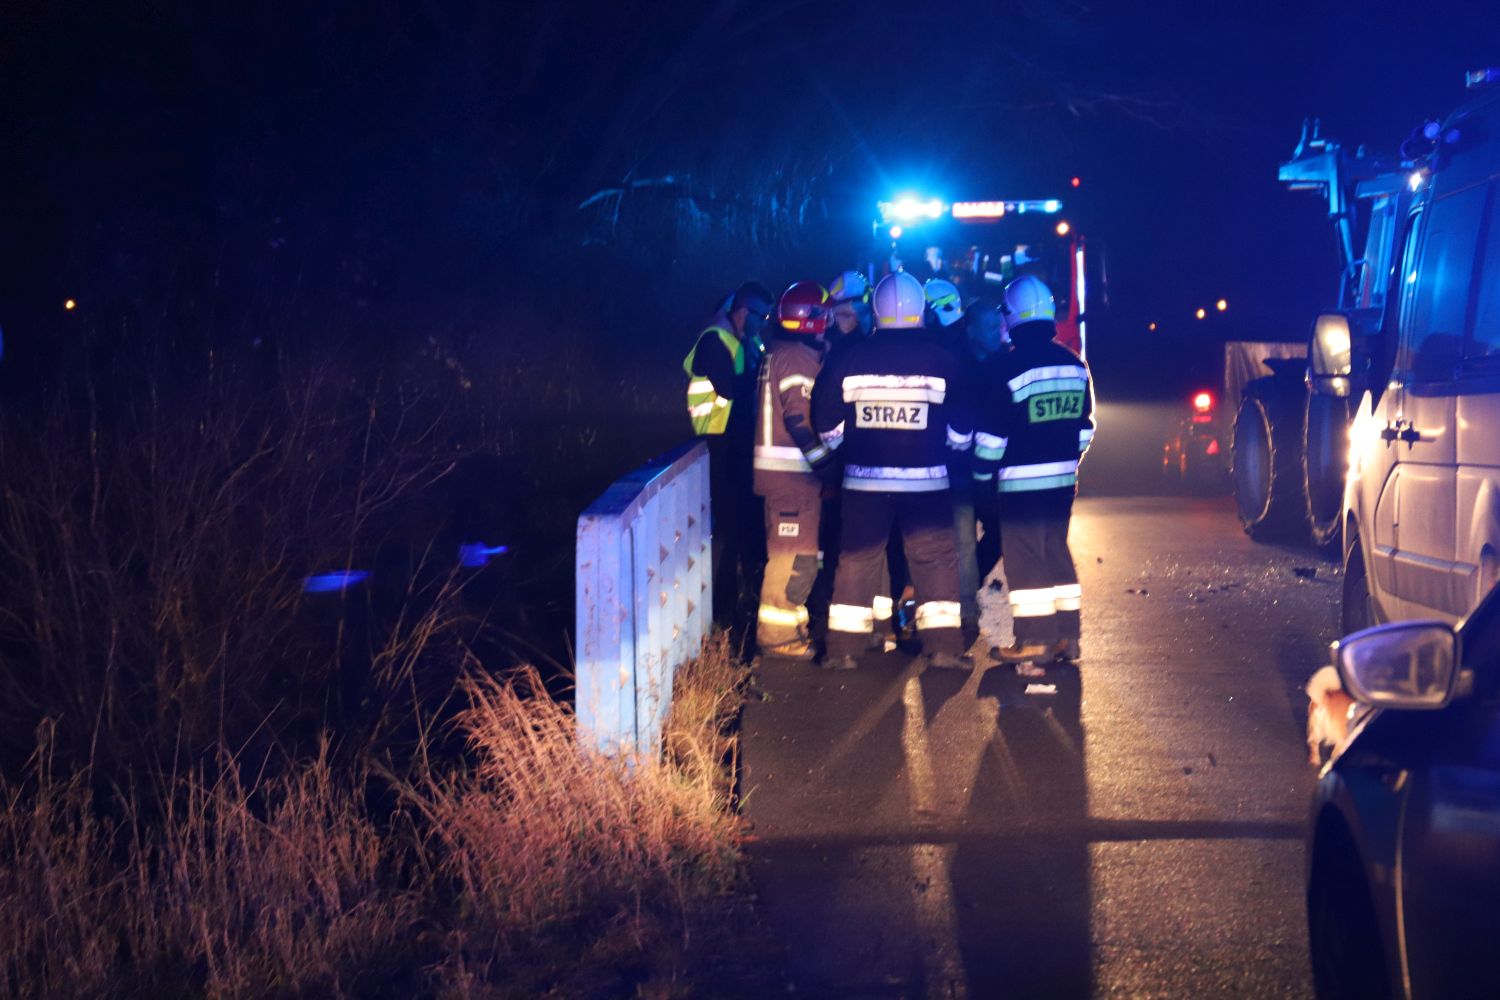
x=999, y=209
x=908, y=209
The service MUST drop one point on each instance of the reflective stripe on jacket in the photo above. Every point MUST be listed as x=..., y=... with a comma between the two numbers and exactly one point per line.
x=786, y=448
x=1038, y=419
x=709, y=411
x=894, y=408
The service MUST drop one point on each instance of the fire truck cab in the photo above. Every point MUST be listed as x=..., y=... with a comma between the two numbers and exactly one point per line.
x=981, y=245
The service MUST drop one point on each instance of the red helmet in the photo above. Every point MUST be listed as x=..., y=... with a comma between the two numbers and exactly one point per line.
x=803, y=308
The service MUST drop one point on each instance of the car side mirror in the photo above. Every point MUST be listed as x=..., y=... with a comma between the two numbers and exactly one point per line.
x=1410, y=665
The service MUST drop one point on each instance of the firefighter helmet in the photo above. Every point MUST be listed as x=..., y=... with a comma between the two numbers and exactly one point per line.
x=899, y=302
x=848, y=287
x=803, y=308
x=944, y=301
x=1028, y=299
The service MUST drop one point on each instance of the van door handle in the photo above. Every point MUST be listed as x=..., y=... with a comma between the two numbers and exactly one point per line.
x=1409, y=434
x=1388, y=433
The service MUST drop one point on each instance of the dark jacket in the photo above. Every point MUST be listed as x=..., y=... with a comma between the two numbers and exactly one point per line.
x=1037, y=416
x=788, y=452
x=893, y=410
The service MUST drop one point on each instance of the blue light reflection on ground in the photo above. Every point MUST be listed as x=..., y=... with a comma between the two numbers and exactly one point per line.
x=324, y=583
x=476, y=554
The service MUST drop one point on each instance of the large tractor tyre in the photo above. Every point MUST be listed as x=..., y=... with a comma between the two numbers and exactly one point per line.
x=1268, y=482
x=1325, y=464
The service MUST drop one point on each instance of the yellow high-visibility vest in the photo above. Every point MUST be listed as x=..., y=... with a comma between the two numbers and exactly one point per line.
x=709, y=411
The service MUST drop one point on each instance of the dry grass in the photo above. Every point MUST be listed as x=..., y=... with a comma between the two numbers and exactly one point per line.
x=215, y=785
x=541, y=868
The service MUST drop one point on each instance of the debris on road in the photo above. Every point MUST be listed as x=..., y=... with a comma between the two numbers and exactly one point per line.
x=1306, y=572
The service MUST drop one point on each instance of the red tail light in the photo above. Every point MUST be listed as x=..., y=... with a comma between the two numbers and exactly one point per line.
x=1203, y=402
x=1213, y=447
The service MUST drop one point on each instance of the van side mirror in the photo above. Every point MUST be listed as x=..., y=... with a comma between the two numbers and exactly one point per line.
x=1340, y=354
x=1404, y=665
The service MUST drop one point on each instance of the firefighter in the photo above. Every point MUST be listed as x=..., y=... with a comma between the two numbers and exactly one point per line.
x=849, y=299
x=946, y=320
x=721, y=369
x=1033, y=429
x=889, y=409
x=789, y=458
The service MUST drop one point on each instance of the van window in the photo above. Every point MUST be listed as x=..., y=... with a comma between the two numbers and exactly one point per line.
x=1433, y=332
x=1485, y=339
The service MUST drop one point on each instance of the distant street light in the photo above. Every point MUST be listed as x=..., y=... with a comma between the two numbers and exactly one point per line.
x=70, y=305
x=1201, y=313
x=1221, y=305
x=1063, y=228
x=1151, y=326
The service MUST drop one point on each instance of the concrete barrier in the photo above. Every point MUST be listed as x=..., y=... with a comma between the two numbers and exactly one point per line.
x=644, y=597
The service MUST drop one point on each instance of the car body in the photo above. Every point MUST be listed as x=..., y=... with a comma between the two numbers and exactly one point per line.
x=1403, y=887
x=1422, y=499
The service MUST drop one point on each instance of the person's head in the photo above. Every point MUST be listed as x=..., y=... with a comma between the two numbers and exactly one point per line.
x=943, y=299
x=750, y=309
x=849, y=296
x=1029, y=307
x=899, y=302
x=984, y=328
x=803, y=308
x=934, y=258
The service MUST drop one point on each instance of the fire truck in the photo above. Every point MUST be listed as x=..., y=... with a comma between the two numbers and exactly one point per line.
x=981, y=245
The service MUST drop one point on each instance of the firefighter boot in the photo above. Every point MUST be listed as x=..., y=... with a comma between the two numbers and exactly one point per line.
x=948, y=661
x=1028, y=658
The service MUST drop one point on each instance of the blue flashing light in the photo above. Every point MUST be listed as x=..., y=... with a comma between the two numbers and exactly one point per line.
x=909, y=208
x=476, y=554
x=325, y=583
x=1051, y=206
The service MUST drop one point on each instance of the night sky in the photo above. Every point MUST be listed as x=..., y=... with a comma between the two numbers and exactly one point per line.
x=443, y=147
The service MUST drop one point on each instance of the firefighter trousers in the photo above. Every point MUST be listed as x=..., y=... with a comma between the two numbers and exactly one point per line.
x=930, y=544
x=792, y=515
x=1044, y=594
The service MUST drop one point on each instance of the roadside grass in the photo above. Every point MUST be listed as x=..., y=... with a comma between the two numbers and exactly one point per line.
x=535, y=868
x=216, y=784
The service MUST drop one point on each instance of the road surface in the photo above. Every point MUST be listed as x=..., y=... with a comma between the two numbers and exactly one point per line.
x=1138, y=833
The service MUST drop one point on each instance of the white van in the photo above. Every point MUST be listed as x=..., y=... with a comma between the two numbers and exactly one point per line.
x=1422, y=500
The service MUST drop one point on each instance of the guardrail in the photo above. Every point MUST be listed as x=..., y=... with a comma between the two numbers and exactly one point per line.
x=644, y=597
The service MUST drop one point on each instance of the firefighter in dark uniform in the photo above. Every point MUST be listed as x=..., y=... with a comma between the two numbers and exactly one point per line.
x=888, y=408
x=721, y=370
x=788, y=458
x=1035, y=424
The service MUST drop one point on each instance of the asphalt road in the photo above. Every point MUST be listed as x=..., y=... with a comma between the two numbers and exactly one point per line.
x=1138, y=833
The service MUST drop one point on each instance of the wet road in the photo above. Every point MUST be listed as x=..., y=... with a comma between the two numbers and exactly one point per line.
x=1137, y=833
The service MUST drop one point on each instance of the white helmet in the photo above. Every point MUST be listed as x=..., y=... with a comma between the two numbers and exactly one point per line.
x=847, y=287
x=1027, y=299
x=899, y=302
x=944, y=301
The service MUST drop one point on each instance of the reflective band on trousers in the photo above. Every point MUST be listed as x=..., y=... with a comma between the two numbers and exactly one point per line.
x=1032, y=603
x=883, y=607
x=850, y=618
x=782, y=616
x=938, y=614
x=959, y=442
x=1067, y=597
